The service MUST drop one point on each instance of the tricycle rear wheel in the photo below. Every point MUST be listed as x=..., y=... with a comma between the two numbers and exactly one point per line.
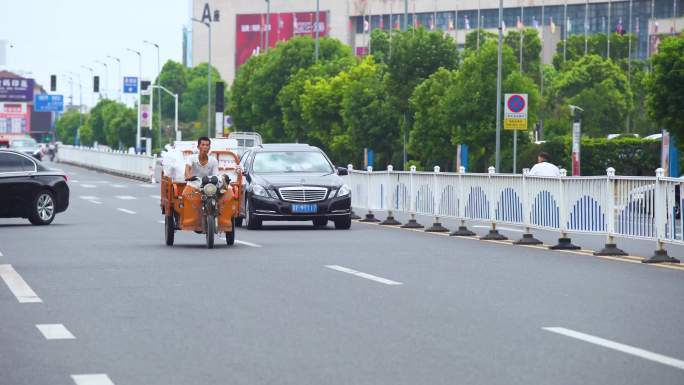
x=169, y=229
x=230, y=235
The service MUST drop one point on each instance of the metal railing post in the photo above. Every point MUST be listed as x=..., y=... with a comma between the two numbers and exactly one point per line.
x=493, y=234
x=462, y=229
x=390, y=221
x=527, y=237
x=350, y=168
x=564, y=242
x=412, y=223
x=610, y=248
x=370, y=217
x=436, y=198
x=660, y=254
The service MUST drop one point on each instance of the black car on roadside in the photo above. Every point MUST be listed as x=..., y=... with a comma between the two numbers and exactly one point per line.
x=30, y=190
x=293, y=182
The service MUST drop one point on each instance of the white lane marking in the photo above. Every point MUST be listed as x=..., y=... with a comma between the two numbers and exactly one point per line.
x=125, y=197
x=147, y=185
x=118, y=186
x=162, y=222
x=85, y=185
x=55, y=332
x=94, y=201
x=250, y=244
x=17, y=285
x=0, y=253
x=645, y=354
x=88, y=197
x=363, y=275
x=498, y=228
x=73, y=181
x=91, y=379
x=155, y=196
x=126, y=211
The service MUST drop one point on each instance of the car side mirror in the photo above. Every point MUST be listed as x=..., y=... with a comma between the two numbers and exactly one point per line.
x=341, y=171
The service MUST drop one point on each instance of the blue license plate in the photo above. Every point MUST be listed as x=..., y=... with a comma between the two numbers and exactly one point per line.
x=304, y=208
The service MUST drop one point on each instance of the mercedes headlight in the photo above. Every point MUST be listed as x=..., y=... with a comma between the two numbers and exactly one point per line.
x=260, y=191
x=343, y=191
x=210, y=190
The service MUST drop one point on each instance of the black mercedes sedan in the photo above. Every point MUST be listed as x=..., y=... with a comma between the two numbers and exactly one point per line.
x=30, y=190
x=293, y=182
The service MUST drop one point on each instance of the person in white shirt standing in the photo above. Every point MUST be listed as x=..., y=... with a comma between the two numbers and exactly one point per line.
x=544, y=167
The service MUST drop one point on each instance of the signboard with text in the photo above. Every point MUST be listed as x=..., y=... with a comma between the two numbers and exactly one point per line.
x=130, y=85
x=251, y=29
x=16, y=90
x=515, y=112
x=48, y=103
x=15, y=118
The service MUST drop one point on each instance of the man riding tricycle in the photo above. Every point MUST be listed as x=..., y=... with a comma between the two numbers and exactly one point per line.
x=202, y=198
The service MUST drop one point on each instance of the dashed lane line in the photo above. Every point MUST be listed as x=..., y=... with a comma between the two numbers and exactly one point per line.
x=86, y=185
x=91, y=379
x=363, y=275
x=155, y=196
x=21, y=290
x=118, y=185
x=55, y=332
x=638, y=352
x=125, y=197
x=126, y=211
x=250, y=244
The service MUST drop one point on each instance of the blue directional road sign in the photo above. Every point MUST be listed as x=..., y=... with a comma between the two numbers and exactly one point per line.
x=130, y=85
x=48, y=103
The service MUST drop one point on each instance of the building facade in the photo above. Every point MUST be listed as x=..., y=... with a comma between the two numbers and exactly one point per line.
x=241, y=28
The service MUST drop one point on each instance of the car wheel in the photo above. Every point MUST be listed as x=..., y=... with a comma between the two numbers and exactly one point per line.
x=252, y=222
x=320, y=222
x=43, y=209
x=343, y=223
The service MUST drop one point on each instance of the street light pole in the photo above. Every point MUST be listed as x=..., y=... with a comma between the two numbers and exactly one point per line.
x=158, y=90
x=137, y=133
x=208, y=78
x=316, y=28
x=106, y=77
x=268, y=22
x=92, y=92
x=175, y=97
x=498, y=89
x=77, y=139
x=119, y=79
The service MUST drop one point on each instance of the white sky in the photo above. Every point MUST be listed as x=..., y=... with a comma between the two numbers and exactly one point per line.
x=60, y=36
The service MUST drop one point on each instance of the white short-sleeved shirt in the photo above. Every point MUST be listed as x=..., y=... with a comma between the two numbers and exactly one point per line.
x=544, y=169
x=200, y=171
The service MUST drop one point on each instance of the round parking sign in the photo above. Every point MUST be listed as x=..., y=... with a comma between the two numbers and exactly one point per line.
x=516, y=103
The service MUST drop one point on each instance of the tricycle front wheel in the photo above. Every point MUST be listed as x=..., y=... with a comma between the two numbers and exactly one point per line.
x=230, y=235
x=209, y=230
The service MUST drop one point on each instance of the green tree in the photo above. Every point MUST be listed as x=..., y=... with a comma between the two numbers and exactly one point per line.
x=96, y=121
x=598, y=86
x=66, y=126
x=471, y=40
x=665, y=100
x=194, y=96
x=119, y=125
x=368, y=114
x=275, y=71
x=240, y=104
x=289, y=97
x=597, y=44
x=531, y=54
x=432, y=132
x=172, y=77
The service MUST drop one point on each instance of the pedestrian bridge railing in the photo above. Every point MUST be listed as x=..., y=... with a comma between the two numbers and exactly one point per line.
x=138, y=166
x=635, y=207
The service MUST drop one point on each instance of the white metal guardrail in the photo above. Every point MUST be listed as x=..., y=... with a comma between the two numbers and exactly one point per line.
x=117, y=162
x=635, y=207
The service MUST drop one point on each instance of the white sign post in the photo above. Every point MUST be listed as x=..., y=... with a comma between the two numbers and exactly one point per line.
x=145, y=115
x=576, y=135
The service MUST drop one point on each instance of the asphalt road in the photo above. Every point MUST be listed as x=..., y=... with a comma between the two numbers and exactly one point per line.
x=293, y=305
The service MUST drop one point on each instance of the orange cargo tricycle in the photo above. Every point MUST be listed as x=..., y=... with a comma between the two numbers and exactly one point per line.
x=207, y=207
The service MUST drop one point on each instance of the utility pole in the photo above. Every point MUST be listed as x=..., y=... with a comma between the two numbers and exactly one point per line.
x=316, y=28
x=268, y=22
x=137, y=133
x=119, y=79
x=498, y=89
x=158, y=91
x=106, y=77
x=92, y=91
x=209, y=77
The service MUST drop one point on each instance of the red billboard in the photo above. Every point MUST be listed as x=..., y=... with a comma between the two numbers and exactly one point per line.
x=251, y=30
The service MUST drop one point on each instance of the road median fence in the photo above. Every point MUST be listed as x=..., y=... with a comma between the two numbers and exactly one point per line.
x=138, y=166
x=645, y=208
